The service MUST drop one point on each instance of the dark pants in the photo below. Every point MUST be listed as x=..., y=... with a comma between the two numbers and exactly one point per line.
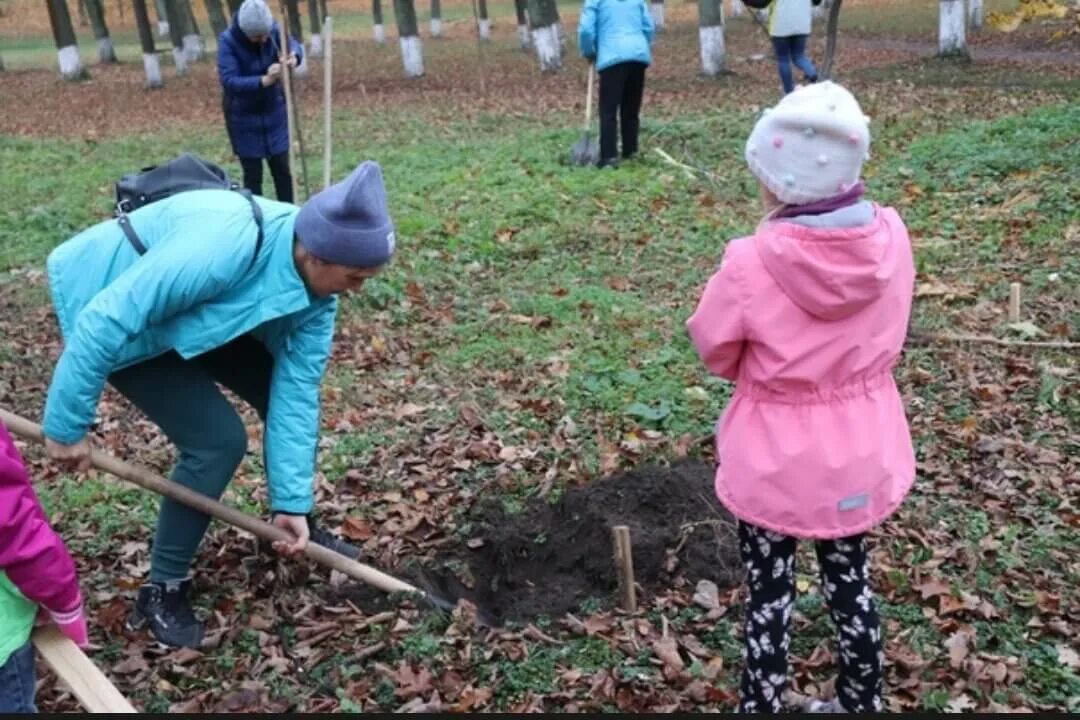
x=770, y=566
x=182, y=398
x=621, y=90
x=17, y=682
x=792, y=50
x=279, y=169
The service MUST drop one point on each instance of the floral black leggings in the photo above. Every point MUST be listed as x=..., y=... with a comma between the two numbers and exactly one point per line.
x=770, y=567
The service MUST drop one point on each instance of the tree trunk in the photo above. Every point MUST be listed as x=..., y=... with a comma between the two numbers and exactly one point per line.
x=436, y=18
x=323, y=10
x=952, y=38
x=378, y=29
x=825, y=72
x=523, y=24
x=412, y=50
x=485, y=20
x=217, y=17
x=711, y=37
x=146, y=39
x=657, y=9
x=975, y=14
x=234, y=6
x=544, y=19
x=67, y=50
x=292, y=10
x=315, y=23
x=174, y=19
x=94, y=9
x=81, y=5
x=193, y=42
x=161, y=7
x=1, y=63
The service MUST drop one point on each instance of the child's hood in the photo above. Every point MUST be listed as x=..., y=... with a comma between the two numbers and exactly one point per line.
x=831, y=272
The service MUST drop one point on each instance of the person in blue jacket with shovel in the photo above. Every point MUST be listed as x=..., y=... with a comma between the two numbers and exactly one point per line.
x=206, y=304
x=616, y=36
x=253, y=98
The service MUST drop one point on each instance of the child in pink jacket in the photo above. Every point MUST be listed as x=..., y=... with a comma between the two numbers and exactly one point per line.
x=808, y=317
x=37, y=581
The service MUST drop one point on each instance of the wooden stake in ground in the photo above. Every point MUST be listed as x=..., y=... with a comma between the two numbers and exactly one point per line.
x=285, y=75
x=624, y=567
x=328, y=78
x=88, y=684
x=1014, y=302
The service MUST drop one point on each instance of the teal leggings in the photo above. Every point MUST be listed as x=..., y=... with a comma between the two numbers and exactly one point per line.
x=183, y=399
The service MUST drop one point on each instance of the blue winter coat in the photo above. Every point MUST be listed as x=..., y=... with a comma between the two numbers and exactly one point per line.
x=615, y=31
x=194, y=290
x=254, y=115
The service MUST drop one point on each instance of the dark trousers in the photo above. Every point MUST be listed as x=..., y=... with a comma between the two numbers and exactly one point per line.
x=790, y=50
x=17, y=682
x=279, y=169
x=770, y=568
x=182, y=398
x=621, y=90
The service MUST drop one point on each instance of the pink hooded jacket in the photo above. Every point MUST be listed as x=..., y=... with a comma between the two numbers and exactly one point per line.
x=32, y=555
x=809, y=322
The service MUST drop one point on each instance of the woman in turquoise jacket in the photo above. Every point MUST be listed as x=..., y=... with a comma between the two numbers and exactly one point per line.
x=617, y=35
x=205, y=305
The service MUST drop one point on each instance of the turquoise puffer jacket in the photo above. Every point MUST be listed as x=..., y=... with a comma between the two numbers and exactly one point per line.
x=616, y=31
x=194, y=290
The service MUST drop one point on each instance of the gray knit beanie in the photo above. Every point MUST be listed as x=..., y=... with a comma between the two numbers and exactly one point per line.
x=349, y=223
x=254, y=18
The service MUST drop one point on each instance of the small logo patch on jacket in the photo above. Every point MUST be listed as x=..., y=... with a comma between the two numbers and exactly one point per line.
x=853, y=503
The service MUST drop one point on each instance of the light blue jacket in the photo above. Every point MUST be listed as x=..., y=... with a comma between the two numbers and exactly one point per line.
x=194, y=290
x=615, y=31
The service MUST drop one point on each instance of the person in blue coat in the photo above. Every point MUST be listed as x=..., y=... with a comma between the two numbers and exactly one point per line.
x=253, y=99
x=205, y=305
x=617, y=35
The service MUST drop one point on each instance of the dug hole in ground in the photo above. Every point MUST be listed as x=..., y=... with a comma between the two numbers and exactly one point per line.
x=552, y=557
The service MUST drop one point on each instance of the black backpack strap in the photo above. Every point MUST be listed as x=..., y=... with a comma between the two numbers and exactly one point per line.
x=257, y=212
x=129, y=231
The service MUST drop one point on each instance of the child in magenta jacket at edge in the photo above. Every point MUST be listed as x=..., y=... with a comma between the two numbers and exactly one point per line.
x=38, y=582
x=808, y=317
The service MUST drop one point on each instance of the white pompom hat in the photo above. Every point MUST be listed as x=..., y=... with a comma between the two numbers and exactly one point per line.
x=811, y=145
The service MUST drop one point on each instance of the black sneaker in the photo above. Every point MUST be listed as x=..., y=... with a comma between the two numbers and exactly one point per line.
x=329, y=540
x=166, y=610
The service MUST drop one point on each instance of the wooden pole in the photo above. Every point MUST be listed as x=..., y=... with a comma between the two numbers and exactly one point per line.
x=88, y=684
x=144, y=478
x=285, y=76
x=624, y=567
x=1014, y=302
x=328, y=78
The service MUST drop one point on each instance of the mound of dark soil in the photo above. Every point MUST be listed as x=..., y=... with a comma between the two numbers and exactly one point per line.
x=552, y=556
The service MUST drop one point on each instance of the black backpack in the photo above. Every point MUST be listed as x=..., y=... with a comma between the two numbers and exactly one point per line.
x=185, y=172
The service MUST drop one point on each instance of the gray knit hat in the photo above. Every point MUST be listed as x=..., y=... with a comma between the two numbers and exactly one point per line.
x=254, y=18
x=349, y=223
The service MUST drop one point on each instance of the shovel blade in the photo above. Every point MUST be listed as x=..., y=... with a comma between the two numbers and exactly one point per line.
x=586, y=151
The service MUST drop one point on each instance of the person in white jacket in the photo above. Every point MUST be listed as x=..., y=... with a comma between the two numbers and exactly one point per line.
x=789, y=27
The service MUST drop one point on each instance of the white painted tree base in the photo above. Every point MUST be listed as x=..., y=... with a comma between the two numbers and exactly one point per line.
x=105, y=51
x=412, y=56
x=193, y=47
x=523, y=37
x=380, y=34
x=304, y=68
x=180, y=60
x=436, y=27
x=162, y=28
x=152, y=66
x=975, y=14
x=713, y=52
x=952, y=39
x=316, y=45
x=485, y=29
x=657, y=14
x=737, y=8
x=548, y=47
x=69, y=62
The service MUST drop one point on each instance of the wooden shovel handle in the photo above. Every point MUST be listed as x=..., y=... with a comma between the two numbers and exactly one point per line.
x=88, y=684
x=149, y=480
x=588, y=96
